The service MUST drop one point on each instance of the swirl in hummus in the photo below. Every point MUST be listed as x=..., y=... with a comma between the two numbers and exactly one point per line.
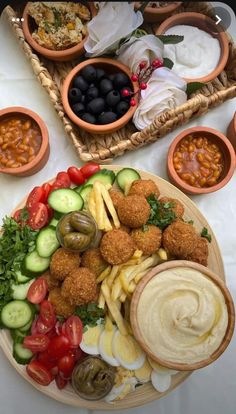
x=182, y=315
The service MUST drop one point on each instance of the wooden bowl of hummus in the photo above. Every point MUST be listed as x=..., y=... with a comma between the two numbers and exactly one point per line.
x=182, y=315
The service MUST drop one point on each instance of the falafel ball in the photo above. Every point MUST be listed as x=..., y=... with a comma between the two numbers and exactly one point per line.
x=117, y=247
x=63, y=262
x=134, y=211
x=122, y=227
x=93, y=260
x=200, y=253
x=61, y=305
x=51, y=281
x=177, y=207
x=147, y=239
x=116, y=197
x=80, y=287
x=179, y=239
x=144, y=188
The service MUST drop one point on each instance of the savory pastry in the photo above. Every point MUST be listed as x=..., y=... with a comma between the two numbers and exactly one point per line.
x=93, y=260
x=175, y=205
x=147, y=238
x=80, y=287
x=117, y=247
x=180, y=239
x=134, y=211
x=61, y=305
x=144, y=188
x=63, y=262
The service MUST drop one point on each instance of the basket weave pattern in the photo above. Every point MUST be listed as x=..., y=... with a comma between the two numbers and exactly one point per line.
x=103, y=148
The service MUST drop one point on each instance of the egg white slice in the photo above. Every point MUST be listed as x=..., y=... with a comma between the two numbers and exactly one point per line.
x=160, y=369
x=127, y=351
x=143, y=374
x=90, y=339
x=118, y=393
x=105, y=347
x=160, y=382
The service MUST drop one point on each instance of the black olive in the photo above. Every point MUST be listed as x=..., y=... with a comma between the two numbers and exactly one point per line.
x=89, y=73
x=75, y=95
x=88, y=118
x=112, y=98
x=112, y=76
x=96, y=106
x=107, y=118
x=83, y=99
x=81, y=83
x=92, y=93
x=105, y=86
x=100, y=74
x=122, y=108
x=78, y=108
x=121, y=80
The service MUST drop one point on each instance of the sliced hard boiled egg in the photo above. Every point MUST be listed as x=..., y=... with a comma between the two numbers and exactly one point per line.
x=105, y=347
x=90, y=339
x=120, y=391
x=127, y=351
x=160, y=369
x=161, y=382
x=143, y=374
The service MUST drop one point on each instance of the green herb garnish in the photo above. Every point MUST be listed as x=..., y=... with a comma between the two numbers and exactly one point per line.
x=90, y=314
x=168, y=63
x=57, y=16
x=170, y=39
x=205, y=234
x=162, y=214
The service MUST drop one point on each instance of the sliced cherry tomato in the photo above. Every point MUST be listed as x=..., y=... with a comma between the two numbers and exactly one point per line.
x=78, y=353
x=74, y=330
x=76, y=175
x=63, y=178
x=59, y=346
x=38, y=216
x=58, y=328
x=50, y=212
x=35, y=196
x=66, y=365
x=47, y=313
x=33, y=328
x=47, y=188
x=36, y=343
x=39, y=373
x=37, y=291
x=61, y=382
x=46, y=360
x=16, y=215
x=89, y=169
x=43, y=328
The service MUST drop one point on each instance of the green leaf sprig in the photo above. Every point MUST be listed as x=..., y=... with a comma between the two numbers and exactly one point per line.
x=90, y=314
x=205, y=234
x=162, y=214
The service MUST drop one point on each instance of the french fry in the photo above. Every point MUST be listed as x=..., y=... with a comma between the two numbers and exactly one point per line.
x=139, y=276
x=162, y=254
x=92, y=204
x=112, y=306
x=131, y=287
x=137, y=254
x=104, y=274
x=123, y=297
x=116, y=289
x=108, y=201
x=108, y=324
x=99, y=205
x=101, y=300
x=118, y=304
x=111, y=277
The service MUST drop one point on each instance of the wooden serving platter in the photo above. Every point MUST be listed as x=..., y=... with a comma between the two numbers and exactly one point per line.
x=145, y=393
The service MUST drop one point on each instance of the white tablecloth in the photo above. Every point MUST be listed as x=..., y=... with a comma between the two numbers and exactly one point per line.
x=212, y=389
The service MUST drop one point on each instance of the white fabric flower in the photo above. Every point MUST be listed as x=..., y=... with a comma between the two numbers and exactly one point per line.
x=165, y=91
x=113, y=22
x=142, y=49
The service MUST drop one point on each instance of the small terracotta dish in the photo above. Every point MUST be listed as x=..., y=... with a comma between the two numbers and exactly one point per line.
x=164, y=281
x=231, y=131
x=228, y=159
x=28, y=26
x=159, y=14
x=205, y=23
x=110, y=66
x=41, y=157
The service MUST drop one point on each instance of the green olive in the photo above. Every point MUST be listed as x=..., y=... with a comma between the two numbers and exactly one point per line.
x=76, y=241
x=83, y=222
x=64, y=227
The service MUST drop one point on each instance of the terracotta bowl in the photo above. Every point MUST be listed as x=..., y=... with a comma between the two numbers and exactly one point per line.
x=231, y=132
x=42, y=156
x=28, y=26
x=159, y=14
x=110, y=66
x=205, y=23
x=137, y=328
x=225, y=147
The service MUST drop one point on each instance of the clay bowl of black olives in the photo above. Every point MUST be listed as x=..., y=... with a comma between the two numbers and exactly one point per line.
x=97, y=95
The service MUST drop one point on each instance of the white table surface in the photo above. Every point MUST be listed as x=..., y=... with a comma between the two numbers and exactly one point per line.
x=212, y=389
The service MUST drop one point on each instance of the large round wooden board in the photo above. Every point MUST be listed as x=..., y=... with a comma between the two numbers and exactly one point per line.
x=146, y=393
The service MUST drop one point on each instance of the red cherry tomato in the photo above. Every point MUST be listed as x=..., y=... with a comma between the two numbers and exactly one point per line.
x=63, y=178
x=74, y=330
x=78, y=353
x=46, y=360
x=76, y=175
x=66, y=365
x=39, y=373
x=36, y=343
x=59, y=346
x=61, y=382
x=47, y=188
x=37, y=291
x=38, y=216
x=47, y=313
x=35, y=196
x=42, y=328
x=50, y=212
x=89, y=169
x=33, y=328
x=16, y=215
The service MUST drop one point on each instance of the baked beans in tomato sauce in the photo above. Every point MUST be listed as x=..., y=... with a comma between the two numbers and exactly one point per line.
x=198, y=161
x=20, y=141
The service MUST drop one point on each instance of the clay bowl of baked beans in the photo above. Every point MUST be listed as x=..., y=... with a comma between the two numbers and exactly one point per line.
x=200, y=160
x=24, y=144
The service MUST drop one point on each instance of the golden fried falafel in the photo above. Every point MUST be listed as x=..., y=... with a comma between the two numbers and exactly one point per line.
x=179, y=239
x=93, y=260
x=63, y=262
x=117, y=247
x=51, y=281
x=61, y=305
x=134, y=211
x=144, y=188
x=147, y=238
x=122, y=227
x=116, y=197
x=176, y=206
x=80, y=287
x=200, y=253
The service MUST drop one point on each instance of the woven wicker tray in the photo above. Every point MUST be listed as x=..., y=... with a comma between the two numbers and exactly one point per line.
x=103, y=148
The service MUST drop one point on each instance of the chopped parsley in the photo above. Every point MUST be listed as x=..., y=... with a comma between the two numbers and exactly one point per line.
x=90, y=314
x=57, y=17
x=162, y=214
x=205, y=234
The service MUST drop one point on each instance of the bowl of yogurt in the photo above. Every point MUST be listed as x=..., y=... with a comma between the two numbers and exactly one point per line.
x=204, y=51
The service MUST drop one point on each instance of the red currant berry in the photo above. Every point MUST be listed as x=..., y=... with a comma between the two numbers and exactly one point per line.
x=142, y=65
x=132, y=102
x=125, y=92
x=157, y=63
x=134, y=78
x=143, y=85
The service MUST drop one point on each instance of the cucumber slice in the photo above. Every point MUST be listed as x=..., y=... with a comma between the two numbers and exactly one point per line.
x=46, y=242
x=26, y=327
x=125, y=177
x=53, y=222
x=17, y=335
x=57, y=215
x=19, y=292
x=104, y=176
x=85, y=191
x=34, y=264
x=16, y=314
x=65, y=200
x=20, y=278
x=21, y=354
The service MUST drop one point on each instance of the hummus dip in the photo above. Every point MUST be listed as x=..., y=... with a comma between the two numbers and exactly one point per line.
x=182, y=315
